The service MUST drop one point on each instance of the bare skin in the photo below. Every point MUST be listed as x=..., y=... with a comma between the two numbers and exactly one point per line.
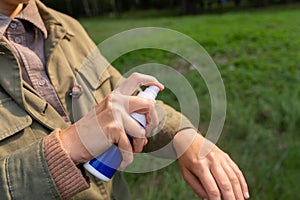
x=209, y=171
x=12, y=8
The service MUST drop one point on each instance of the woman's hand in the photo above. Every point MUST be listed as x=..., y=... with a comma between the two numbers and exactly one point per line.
x=208, y=170
x=109, y=122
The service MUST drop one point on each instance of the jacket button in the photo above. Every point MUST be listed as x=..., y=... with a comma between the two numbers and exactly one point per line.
x=13, y=25
x=18, y=40
x=76, y=91
x=42, y=82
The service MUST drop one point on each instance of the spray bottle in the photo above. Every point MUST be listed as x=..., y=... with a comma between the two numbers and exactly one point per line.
x=105, y=165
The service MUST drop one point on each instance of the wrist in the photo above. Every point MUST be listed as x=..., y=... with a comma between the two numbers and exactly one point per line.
x=72, y=144
x=184, y=139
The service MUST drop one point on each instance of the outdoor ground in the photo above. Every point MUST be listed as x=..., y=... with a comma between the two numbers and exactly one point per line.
x=258, y=55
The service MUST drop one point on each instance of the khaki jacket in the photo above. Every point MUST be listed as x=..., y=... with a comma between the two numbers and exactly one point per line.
x=26, y=118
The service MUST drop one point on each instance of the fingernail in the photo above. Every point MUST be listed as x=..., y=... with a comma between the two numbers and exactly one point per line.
x=145, y=142
x=122, y=166
x=204, y=199
x=162, y=87
x=247, y=196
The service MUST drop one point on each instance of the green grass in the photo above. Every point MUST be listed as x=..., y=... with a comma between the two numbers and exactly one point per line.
x=258, y=55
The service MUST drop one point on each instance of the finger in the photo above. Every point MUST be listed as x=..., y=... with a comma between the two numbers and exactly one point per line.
x=223, y=182
x=121, y=108
x=194, y=183
x=235, y=183
x=126, y=151
x=145, y=141
x=209, y=184
x=241, y=178
x=152, y=120
x=132, y=127
x=138, y=144
x=136, y=131
x=134, y=81
x=146, y=107
x=131, y=104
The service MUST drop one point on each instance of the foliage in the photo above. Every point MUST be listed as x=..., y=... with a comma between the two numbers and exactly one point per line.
x=257, y=53
x=90, y=8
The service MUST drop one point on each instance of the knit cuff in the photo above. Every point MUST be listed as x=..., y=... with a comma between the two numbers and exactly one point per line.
x=68, y=178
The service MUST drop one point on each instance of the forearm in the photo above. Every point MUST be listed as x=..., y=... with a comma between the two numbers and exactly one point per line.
x=171, y=123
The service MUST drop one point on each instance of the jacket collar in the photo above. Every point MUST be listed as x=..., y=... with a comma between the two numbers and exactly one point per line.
x=29, y=13
x=56, y=27
x=4, y=22
x=51, y=17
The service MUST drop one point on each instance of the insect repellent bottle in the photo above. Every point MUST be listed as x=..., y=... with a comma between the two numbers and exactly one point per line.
x=105, y=165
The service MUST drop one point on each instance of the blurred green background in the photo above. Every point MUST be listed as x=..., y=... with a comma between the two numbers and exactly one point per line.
x=256, y=48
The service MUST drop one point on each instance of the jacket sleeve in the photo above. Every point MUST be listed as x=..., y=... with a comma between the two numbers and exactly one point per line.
x=24, y=175
x=24, y=172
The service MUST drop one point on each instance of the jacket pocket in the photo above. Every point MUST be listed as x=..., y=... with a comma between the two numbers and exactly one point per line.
x=12, y=118
x=95, y=83
x=94, y=75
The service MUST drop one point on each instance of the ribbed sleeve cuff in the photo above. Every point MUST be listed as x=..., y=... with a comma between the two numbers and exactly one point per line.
x=67, y=177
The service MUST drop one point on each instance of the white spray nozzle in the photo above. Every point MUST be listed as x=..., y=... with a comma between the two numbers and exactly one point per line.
x=150, y=92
